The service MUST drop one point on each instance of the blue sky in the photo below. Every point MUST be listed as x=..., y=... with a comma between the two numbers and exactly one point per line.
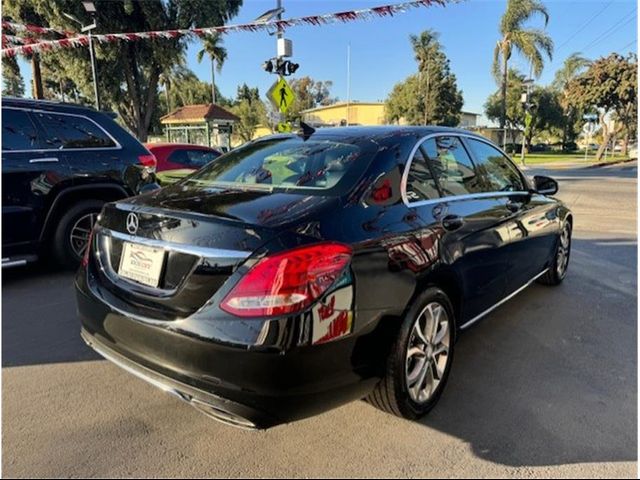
x=381, y=55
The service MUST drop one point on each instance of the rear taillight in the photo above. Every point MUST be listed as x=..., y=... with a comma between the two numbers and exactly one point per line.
x=148, y=161
x=287, y=282
x=87, y=251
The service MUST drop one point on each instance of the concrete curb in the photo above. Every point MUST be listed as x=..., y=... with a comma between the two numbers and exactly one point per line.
x=574, y=165
x=604, y=164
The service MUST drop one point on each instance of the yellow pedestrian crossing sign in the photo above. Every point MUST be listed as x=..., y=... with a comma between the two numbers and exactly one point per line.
x=281, y=95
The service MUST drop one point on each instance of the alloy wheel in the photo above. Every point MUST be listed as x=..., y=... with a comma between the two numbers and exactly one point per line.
x=564, y=247
x=80, y=232
x=427, y=352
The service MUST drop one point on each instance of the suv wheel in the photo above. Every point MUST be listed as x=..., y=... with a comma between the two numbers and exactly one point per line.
x=72, y=233
x=419, y=363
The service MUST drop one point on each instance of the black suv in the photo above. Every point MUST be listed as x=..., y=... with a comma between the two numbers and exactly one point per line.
x=60, y=164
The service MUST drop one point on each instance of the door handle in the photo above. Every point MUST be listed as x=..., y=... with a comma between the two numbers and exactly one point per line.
x=43, y=160
x=452, y=222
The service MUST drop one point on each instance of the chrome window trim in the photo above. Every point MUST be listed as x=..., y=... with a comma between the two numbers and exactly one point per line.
x=452, y=198
x=117, y=146
x=204, y=252
x=505, y=299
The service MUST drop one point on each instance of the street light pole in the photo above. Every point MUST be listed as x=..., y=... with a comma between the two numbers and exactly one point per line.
x=90, y=8
x=96, y=94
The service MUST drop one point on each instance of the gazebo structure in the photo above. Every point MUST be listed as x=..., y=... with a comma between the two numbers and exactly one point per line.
x=205, y=124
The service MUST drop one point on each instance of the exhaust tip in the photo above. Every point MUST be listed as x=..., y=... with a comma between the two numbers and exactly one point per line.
x=224, y=416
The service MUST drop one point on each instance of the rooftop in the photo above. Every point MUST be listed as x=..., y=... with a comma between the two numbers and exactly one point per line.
x=198, y=114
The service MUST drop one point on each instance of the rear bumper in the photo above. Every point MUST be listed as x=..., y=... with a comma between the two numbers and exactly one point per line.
x=255, y=386
x=221, y=409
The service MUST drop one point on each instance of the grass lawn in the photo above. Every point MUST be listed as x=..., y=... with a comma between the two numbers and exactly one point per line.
x=551, y=157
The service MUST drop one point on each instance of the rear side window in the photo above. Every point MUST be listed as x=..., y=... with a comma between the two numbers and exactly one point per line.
x=420, y=182
x=18, y=131
x=452, y=166
x=192, y=158
x=70, y=131
x=498, y=171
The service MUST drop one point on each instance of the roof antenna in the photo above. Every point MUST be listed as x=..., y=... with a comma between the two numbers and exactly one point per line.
x=306, y=131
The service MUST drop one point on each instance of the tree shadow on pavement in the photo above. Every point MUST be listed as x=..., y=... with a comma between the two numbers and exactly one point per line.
x=550, y=378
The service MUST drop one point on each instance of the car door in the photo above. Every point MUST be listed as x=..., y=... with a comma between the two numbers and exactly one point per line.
x=30, y=172
x=534, y=223
x=473, y=221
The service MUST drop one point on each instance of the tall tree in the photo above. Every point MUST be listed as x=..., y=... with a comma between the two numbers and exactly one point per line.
x=431, y=96
x=309, y=93
x=244, y=92
x=170, y=77
x=129, y=72
x=426, y=49
x=609, y=86
x=212, y=46
x=573, y=66
x=12, y=81
x=251, y=112
x=533, y=44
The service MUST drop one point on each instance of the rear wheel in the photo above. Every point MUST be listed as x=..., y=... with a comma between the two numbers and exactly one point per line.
x=419, y=363
x=71, y=237
x=558, y=269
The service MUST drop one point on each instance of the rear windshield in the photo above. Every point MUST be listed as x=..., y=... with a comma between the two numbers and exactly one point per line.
x=288, y=163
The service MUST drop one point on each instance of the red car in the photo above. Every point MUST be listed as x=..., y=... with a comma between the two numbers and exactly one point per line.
x=176, y=160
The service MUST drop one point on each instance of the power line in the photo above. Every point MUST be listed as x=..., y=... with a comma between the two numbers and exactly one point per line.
x=585, y=25
x=634, y=42
x=607, y=33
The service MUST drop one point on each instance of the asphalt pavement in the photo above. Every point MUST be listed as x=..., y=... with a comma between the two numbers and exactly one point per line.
x=546, y=386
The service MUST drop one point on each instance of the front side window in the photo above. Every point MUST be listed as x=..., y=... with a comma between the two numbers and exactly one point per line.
x=497, y=170
x=452, y=166
x=420, y=182
x=70, y=131
x=284, y=163
x=18, y=131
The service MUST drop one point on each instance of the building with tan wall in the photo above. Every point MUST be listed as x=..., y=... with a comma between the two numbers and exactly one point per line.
x=363, y=113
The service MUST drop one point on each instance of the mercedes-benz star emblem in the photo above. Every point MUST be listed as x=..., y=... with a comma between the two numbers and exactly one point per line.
x=132, y=223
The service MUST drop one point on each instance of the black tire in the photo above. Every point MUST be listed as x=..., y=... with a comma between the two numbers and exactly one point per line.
x=555, y=275
x=64, y=254
x=392, y=393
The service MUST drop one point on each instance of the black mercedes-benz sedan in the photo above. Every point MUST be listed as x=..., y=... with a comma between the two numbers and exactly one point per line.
x=300, y=272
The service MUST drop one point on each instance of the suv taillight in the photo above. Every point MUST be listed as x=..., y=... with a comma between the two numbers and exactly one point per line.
x=148, y=161
x=287, y=282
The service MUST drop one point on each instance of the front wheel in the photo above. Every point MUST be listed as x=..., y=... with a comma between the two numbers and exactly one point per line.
x=71, y=237
x=558, y=269
x=419, y=362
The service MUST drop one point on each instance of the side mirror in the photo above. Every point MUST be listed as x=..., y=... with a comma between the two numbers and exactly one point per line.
x=545, y=185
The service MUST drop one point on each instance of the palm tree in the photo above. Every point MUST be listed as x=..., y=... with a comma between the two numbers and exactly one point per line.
x=531, y=43
x=169, y=78
x=212, y=45
x=573, y=65
x=425, y=46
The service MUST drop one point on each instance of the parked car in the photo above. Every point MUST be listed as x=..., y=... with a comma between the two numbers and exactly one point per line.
x=60, y=164
x=301, y=272
x=176, y=160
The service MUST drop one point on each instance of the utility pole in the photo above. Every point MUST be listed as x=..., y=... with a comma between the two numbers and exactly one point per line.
x=526, y=97
x=348, y=80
